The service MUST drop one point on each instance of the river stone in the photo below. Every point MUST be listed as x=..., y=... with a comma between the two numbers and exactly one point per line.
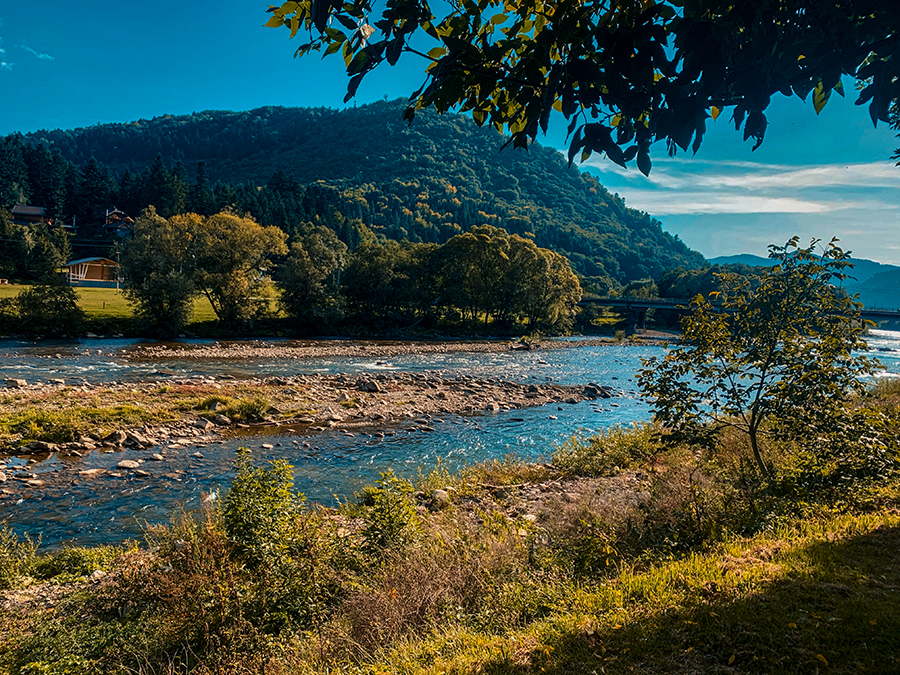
x=204, y=424
x=369, y=386
x=87, y=473
x=128, y=464
x=2, y=477
x=440, y=499
x=14, y=383
x=222, y=420
x=304, y=420
x=34, y=482
x=198, y=455
x=43, y=446
x=116, y=437
x=156, y=457
x=140, y=473
x=134, y=438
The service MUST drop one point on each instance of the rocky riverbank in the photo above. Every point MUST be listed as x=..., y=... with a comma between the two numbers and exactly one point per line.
x=191, y=413
x=259, y=349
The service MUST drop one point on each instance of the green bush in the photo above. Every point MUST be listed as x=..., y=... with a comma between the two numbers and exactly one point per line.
x=16, y=556
x=49, y=310
x=391, y=521
x=248, y=410
x=48, y=425
x=259, y=509
x=76, y=562
x=608, y=452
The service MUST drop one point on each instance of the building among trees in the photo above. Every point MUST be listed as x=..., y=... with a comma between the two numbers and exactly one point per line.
x=93, y=272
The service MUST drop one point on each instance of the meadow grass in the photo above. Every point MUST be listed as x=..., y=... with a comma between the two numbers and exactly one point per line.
x=110, y=303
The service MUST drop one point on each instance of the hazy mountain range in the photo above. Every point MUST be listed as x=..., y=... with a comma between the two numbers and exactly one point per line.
x=877, y=284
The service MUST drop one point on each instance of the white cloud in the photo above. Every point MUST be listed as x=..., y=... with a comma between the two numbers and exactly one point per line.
x=40, y=55
x=684, y=186
x=681, y=173
x=664, y=203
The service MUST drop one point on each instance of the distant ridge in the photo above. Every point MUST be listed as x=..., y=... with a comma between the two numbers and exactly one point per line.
x=877, y=284
x=427, y=181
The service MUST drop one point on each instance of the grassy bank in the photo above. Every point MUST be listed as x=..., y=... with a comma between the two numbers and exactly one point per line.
x=622, y=555
x=107, y=310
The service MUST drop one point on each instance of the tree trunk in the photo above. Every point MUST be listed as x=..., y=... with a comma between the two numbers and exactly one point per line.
x=756, y=454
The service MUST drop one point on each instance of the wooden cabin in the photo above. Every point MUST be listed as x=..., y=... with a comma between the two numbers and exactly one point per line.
x=95, y=272
x=29, y=215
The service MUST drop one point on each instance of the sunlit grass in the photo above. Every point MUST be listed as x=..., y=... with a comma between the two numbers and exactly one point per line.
x=110, y=303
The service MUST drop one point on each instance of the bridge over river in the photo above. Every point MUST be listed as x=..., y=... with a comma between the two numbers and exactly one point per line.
x=636, y=308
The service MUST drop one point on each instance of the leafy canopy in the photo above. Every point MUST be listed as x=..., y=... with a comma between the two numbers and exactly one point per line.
x=625, y=73
x=777, y=359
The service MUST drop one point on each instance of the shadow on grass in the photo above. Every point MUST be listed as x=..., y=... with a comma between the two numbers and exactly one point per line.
x=834, y=608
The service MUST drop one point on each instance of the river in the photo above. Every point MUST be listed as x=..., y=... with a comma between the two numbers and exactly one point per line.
x=331, y=465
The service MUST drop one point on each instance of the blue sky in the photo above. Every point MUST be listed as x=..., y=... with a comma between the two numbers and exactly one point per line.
x=79, y=64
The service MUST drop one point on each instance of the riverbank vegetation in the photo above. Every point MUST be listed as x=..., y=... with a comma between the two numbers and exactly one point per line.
x=624, y=552
x=483, y=280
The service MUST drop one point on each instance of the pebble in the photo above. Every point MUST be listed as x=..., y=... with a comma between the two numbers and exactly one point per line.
x=128, y=464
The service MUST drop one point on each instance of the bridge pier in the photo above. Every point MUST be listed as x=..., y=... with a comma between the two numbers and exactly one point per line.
x=637, y=318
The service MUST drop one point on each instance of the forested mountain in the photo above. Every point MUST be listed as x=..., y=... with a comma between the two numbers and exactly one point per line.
x=423, y=183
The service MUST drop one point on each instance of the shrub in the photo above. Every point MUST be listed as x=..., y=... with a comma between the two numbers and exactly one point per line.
x=392, y=521
x=48, y=425
x=259, y=509
x=76, y=562
x=16, y=556
x=248, y=410
x=609, y=451
x=49, y=310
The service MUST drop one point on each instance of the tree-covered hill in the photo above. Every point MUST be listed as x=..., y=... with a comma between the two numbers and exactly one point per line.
x=426, y=182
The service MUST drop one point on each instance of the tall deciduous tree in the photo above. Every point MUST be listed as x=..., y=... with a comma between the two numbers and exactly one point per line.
x=626, y=73
x=390, y=279
x=159, y=269
x=310, y=278
x=232, y=263
x=775, y=360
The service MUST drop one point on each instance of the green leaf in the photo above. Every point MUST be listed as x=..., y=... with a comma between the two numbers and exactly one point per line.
x=274, y=22
x=820, y=97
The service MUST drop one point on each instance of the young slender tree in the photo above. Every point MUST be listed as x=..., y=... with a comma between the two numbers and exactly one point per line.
x=772, y=361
